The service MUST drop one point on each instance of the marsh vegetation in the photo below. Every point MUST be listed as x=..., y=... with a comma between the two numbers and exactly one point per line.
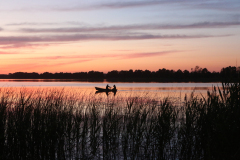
x=58, y=124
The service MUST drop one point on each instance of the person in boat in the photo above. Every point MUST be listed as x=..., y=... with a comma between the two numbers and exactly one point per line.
x=114, y=88
x=107, y=87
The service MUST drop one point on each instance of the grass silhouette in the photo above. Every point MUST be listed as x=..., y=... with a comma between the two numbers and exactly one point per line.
x=56, y=124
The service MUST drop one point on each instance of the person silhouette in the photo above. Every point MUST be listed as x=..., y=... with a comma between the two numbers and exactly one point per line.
x=114, y=88
x=107, y=87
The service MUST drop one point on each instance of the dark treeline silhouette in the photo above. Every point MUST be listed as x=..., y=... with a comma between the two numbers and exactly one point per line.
x=91, y=75
x=196, y=74
x=163, y=75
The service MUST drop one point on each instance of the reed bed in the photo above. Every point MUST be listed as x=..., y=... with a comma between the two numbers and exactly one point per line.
x=58, y=124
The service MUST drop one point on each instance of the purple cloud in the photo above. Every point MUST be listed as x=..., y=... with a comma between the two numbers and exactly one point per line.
x=22, y=45
x=133, y=27
x=24, y=41
x=65, y=63
x=82, y=37
x=231, y=5
x=47, y=23
x=29, y=23
x=149, y=54
x=114, y=5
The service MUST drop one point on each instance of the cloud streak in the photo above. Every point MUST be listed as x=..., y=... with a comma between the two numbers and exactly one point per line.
x=47, y=23
x=132, y=27
x=145, y=55
x=22, y=45
x=211, y=4
x=25, y=40
x=231, y=5
x=91, y=57
x=114, y=5
x=29, y=23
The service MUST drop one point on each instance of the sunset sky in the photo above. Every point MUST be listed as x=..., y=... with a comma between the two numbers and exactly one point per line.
x=104, y=35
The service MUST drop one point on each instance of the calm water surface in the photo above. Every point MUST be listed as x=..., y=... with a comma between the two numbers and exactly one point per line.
x=152, y=89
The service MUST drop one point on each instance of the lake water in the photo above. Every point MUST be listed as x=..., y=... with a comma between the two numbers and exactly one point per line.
x=175, y=90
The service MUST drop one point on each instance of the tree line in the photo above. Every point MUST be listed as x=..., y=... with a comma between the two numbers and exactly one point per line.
x=196, y=74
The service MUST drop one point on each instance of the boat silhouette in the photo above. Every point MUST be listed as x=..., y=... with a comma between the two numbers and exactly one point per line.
x=105, y=90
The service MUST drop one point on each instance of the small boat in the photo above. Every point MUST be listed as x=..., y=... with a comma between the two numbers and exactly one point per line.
x=105, y=90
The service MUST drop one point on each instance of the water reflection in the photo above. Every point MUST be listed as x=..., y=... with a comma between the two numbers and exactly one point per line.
x=159, y=90
x=106, y=92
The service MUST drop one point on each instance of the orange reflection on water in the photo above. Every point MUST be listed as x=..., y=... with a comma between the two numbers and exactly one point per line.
x=174, y=94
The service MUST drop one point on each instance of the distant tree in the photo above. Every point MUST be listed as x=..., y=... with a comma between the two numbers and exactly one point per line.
x=130, y=71
x=205, y=73
x=186, y=73
x=197, y=69
x=112, y=74
x=147, y=74
x=80, y=75
x=179, y=74
x=229, y=72
x=46, y=75
x=23, y=75
x=95, y=74
x=123, y=74
x=138, y=73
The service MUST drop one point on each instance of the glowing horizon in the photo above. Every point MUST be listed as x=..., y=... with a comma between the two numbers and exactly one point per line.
x=73, y=36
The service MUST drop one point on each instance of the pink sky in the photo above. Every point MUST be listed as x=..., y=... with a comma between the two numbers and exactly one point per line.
x=111, y=35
